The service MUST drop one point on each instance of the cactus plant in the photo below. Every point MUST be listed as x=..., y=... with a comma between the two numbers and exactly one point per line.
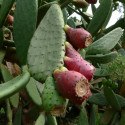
x=37, y=38
x=46, y=50
x=53, y=102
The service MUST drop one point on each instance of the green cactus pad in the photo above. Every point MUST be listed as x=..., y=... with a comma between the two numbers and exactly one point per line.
x=53, y=102
x=46, y=50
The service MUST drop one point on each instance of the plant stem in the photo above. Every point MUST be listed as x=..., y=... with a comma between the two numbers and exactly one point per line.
x=73, y=9
x=84, y=16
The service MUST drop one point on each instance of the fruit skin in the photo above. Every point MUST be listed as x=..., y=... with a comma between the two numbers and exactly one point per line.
x=71, y=52
x=80, y=100
x=91, y=1
x=80, y=3
x=79, y=38
x=67, y=82
x=10, y=19
x=81, y=66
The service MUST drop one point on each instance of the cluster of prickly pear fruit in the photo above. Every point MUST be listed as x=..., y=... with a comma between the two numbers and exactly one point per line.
x=72, y=82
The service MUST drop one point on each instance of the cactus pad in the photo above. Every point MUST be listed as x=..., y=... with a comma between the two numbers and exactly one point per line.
x=46, y=50
x=53, y=102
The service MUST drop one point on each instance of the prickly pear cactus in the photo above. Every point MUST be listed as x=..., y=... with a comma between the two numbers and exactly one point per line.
x=53, y=102
x=46, y=50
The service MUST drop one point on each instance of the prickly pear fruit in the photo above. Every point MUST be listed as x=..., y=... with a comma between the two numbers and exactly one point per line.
x=79, y=38
x=80, y=3
x=71, y=52
x=91, y=1
x=10, y=19
x=81, y=66
x=80, y=100
x=53, y=102
x=72, y=85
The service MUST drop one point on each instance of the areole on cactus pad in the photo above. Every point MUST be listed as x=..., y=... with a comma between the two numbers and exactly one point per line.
x=53, y=102
x=72, y=85
x=79, y=37
x=46, y=50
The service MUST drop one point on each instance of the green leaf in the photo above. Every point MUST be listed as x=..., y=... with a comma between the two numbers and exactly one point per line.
x=40, y=87
x=102, y=58
x=107, y=116
x=65, y=15
x=11, y=87
x=105, y=43
x=46, y=51
x=25, y=18
x=82, y=52
x=5, y=8
x=51, y=120
x=115, y=117
x=100, y=72
x=71, y=23
x=98, y=99
x=119, y=23
x=40, y=120
x=93, y=114
x=33, y=93
x=2, y=55
x=9, y=112
x=1, y=37
x=111, y=98
x=99, y=17
x=14, y=100
x=93, y=7
x=83, y=118
x=108, y=17
x=121, y=100
x=17, y=118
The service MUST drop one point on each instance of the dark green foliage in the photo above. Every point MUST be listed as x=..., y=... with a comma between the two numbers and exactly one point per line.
x=25, y=14
x=96, y=23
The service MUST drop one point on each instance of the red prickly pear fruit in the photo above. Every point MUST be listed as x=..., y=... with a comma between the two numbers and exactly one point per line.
x=91, y=1
x=71, y=52
x=80, y=100
x=80, y=3
x=10, y=19
x=72, y=85
x=79, y=38
x=81, y=66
